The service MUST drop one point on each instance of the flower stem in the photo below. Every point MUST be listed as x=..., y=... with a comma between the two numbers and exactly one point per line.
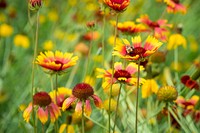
x=117, y=108
x=82, y=117
x=110, y=92
x=137, y=98
x=33, y=68
x=56, y=90
x=169, y=120
x=103, y=39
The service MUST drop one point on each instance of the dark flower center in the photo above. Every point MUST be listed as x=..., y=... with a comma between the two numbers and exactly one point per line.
x=42, y=99
x=122, y=75
x=118, y=1
x=59, y=62
x=154, y=25
x=136, y=51
x=176, y=1
x=82, y=91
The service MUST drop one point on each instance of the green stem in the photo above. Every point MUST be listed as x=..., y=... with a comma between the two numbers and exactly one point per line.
x=169, y=120
x=43, y=128
x=117, y=108
x=82, y=118
x=33, y=68
x=137, y=98
x=103, y=39
x=176, y=65
x=56, y=90
x=110, y=92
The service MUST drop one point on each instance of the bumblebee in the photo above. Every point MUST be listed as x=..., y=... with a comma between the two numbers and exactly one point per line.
x=129, y=50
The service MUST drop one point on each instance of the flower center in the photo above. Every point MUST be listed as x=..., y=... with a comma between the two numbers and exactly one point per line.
x=59, y=62
x=176, y=1
x=154, y=25
x=82, y=91
x=122, y=75
x=42, y=99
x=118, y=1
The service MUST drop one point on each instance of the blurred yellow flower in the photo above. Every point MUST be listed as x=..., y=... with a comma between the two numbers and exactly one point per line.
x=193, y=44
x=111, y=40
x=91, y=7
x=71, y=37
x=176, y=40
x=22, y=107
x=48, y=45
x=72, y=2
x=59, y=34
x=5, y=30
x=70, y=129
x=112, y=107
x=149, y=87
x=21, y=41
x=53, y=16
x=42, y=19
x=90, y=80
x=2, y=17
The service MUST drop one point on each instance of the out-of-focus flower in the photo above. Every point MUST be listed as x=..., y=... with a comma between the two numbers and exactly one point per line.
x=176, y=40
x=115, y=89
x=44, y=105
x=197, y=116
x=158, y=57
x=82, y=93
x=174, y=6
x=193, y=43
x=149, y=87
x=120, y=75
x=117, y=5
x=136, y=51
x=90, y=24
x=111, y=40
x=82, y=48
x=189, y=82
x=159, y=27
x=35, y=5
x=5, y=30
x=188, y=105
x=66, y=128
x=48, y=45
x=53, y=16
x=167, y=94
x=59, y=34
x=3, y=4
x=62, y=93
x=42, y=19
x=2, y=18
x=21, y=40
x=56, y=62
x=130, y=27
x=91, y=36
x=112, y=107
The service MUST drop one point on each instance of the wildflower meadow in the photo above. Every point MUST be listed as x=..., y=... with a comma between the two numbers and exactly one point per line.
x=99, y=66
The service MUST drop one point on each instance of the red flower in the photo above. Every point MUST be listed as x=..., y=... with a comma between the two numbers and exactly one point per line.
x=117, y=5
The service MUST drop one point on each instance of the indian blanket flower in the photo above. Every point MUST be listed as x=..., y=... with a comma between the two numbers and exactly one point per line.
x=159, y=27
x=5, y=30
x=34, y=5
x=44, y=105
x=56, y=62
x=81, y=94
x=130, y=27
x=120, y=75
x=21, y=40
x=174, y=6
x=117, y=5
x=136, y=51
x=149, y=87
x=189, y=82
x=176, y=40
x=187, y=104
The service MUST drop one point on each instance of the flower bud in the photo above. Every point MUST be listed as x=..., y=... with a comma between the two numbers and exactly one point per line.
x=34, y=5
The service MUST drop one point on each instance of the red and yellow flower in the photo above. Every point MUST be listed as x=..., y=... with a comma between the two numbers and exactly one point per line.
x=81, y=94
x=174, y=6
x=57, y=61
x=136, y=51
x=44, y=105
x=159, y=27
x=117, y=5
x=120, y=75
x=130, y=27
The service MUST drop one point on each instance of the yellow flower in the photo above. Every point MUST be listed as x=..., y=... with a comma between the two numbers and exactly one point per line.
x=72, y=2
x=70, y=128
x=48, y=45
x=176, y=40
x=42, y=19
x=112, y=107
x=149, y=87
x=59, y=34
x=111, y=40
x=53, y=16
x=21, y=40
x=5, y=30
x=90, y=80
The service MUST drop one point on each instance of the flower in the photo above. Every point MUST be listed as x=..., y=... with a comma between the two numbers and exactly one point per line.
x=69, y=128
x=167, y=93
x=21, y=40
x=130, y=27
x=159, y=27
x=187, y=105
x=174, y=6
x=93, y=35
x=120, y=75
x=113, y=105
x=189, y=82
x=57, y=61
x=48, y=45
x=82, y=93
x=34, y=5
x=136, y=51
x=150, y=86
x=176, y=40
x=117, y=5
x=44, y=105
x=5, y=30
x=62, y=93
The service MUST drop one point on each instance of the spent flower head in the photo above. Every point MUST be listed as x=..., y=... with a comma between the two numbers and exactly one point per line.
x=167, y=94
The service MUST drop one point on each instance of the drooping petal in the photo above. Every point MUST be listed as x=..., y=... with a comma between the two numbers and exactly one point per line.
x=42, y=115
x=88, y=109
x=27, y=112
x=97, y=101
x=54, y=112
x=132, y=68
x=78, y=108
x=68, y=102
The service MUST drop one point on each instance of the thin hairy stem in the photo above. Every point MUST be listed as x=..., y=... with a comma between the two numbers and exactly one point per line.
x=137, y=98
